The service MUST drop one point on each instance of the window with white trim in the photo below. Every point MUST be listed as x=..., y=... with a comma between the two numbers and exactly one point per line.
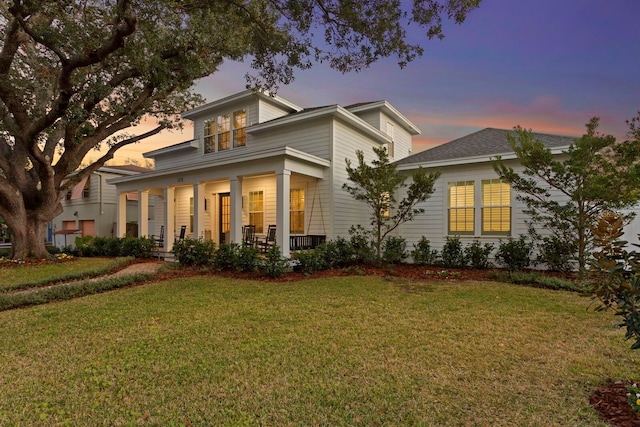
x=256, y=210
x=496, y=207
x=391, y=133
x=296, y=211
x=219, y=132
x=240, y=128
x=461, y=207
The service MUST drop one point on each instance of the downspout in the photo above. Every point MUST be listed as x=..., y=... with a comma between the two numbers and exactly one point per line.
x=100, y=194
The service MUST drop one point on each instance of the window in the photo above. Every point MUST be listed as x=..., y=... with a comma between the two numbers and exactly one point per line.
x=209, y=136
x=85, y=191
x=217, y=132
x=256, y=210
x=385, y=201
x=496, y=207
x=390, y=133
x=190, y=214
x=224, y=132
x=239, y=128
x=461, y=207
x=296, y=212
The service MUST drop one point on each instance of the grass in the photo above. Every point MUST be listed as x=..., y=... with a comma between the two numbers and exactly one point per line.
x=342, y=351
x=27, y=276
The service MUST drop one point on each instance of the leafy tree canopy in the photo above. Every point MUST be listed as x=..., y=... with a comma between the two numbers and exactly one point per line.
x=565, y=195
x=75, y=74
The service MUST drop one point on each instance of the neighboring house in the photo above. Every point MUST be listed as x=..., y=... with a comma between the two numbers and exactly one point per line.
x=89, y=209
x=260, y=160
x=470, y=201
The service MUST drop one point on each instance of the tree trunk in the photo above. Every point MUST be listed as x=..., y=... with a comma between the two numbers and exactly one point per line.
x=28, y=237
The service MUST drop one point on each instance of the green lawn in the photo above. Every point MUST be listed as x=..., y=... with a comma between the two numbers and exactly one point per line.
x=24, y=276
x=344, y=351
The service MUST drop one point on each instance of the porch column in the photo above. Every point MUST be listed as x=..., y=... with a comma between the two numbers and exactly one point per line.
x=235, y=187
x=121, y=219
x=198, y=210
x=169, y=212
x=143, y=213
x=283, y=206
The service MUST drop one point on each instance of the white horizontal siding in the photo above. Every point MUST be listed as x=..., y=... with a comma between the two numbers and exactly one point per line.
x=346, y=210
x=311, y=137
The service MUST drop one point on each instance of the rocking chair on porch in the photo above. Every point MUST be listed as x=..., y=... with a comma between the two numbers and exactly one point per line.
x=160, y=239
x=269, y=239
x=249, y=236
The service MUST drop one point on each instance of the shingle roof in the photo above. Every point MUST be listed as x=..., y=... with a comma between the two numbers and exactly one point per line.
x=485, y=142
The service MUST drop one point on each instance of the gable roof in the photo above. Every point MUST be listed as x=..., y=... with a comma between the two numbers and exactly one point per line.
x=485, y=143
x=389, y=110
x=249, y=93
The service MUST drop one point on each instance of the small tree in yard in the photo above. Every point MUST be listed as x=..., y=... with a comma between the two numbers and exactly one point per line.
x=377, y=185
x=596, y=175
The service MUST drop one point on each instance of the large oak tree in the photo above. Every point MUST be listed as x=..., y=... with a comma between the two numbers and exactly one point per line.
x=76, y=74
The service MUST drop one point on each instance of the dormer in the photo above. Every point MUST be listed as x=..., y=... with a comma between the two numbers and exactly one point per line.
x=388, y=120
x=221, y=126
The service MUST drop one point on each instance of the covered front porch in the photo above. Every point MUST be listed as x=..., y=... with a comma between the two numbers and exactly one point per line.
x=214, y=202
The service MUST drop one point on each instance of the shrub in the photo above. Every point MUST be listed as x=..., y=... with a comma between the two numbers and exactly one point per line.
x=363, y=251
x=613, y=276
x=559, y=255
x=339, y=253
x=478, y=255
x=312, y=260
x=139, y=247
x=105, y=246
x=423, y=254
x=452, y=253
x=394, y=249
x=514, y=254
x=226, y=257
x=83, y=245
x=247, y=259
x=274, y=264
x=196, y=252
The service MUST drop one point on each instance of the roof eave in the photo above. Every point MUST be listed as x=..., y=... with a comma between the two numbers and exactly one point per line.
x=238, y=97
x=392, y=111
x=470, y=160
x=172, y=149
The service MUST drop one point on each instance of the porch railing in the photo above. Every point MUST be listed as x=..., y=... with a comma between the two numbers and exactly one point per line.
x=309, y=241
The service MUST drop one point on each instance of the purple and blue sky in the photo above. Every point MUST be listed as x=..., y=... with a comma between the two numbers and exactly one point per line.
x=547, y=65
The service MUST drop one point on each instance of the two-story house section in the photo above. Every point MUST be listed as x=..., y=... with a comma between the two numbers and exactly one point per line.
x=261, y=160
x=89, y=209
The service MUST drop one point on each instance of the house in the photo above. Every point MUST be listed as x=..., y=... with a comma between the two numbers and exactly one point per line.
x=470, y=201
x=261, y=160
x=89, y=209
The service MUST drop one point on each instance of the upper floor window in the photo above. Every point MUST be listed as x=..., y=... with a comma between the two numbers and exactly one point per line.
x=390, y=132
x=240, y=128
x=496, y=207
x=224, y=132
x=219, y=132
x=461, y=207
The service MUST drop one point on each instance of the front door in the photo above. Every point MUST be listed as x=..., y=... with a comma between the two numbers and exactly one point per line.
x=225, y=217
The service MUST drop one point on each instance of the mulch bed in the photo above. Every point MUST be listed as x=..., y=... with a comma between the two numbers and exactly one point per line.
x=610, y=401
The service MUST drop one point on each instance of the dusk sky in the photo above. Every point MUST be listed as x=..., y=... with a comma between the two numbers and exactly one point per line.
x=547, y=65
